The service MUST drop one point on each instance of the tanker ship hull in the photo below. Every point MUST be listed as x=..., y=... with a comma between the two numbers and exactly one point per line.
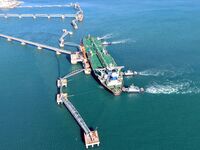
x=104, y=68
x=114, y=90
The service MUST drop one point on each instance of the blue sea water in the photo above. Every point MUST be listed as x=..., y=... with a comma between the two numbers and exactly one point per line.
x=161, y=42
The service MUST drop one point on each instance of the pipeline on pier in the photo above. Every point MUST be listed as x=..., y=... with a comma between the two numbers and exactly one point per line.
x=91, y=137
x=45, y=6
x=75, y=5
x=63, y=16
x=78, y=15
x=38, y=45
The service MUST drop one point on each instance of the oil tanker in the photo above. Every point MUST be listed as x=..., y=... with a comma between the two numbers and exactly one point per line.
x=101, y=63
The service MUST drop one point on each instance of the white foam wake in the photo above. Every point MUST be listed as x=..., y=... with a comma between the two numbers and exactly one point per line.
x=155, y=72
x=107, y=36
x=121, y=41
x=186, y=87
x=169, y=72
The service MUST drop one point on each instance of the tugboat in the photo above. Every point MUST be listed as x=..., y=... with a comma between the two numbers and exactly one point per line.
x=133, y=89
x=130, y=73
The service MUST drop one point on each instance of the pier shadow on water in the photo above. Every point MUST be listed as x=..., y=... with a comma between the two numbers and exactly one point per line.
x=82, y=135
x=68, y=57
x=58, y=64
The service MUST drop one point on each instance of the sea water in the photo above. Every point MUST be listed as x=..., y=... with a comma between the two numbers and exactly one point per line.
x=159, y=39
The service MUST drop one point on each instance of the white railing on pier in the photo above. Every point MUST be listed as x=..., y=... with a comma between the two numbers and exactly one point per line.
x=76, y=115
x=38, y=15
x=46, y=6
x=38, y=45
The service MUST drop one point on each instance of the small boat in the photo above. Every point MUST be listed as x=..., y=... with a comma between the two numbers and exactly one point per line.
x=133, y=89
x=130, y=73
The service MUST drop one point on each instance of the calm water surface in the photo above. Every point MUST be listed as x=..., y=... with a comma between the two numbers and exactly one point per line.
x=161, y=42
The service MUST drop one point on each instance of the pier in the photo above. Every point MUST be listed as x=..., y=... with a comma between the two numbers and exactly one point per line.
x=75, y=5
x=77, y=16
x=47, y=6
x=14, y=3
x=91, y=137
x=34, y=16
x=38, y=45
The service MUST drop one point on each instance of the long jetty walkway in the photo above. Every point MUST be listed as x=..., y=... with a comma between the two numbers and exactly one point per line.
x=76, y=116
x=91, y=137
x=38, y=45
x=78, y=15
x=62, y=98
x=46, y=6
x=63, y=16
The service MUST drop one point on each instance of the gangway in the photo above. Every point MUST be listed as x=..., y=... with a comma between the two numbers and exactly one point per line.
x=38, y=45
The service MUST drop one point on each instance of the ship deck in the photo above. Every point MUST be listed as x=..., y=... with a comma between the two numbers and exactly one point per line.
x=98, y=58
